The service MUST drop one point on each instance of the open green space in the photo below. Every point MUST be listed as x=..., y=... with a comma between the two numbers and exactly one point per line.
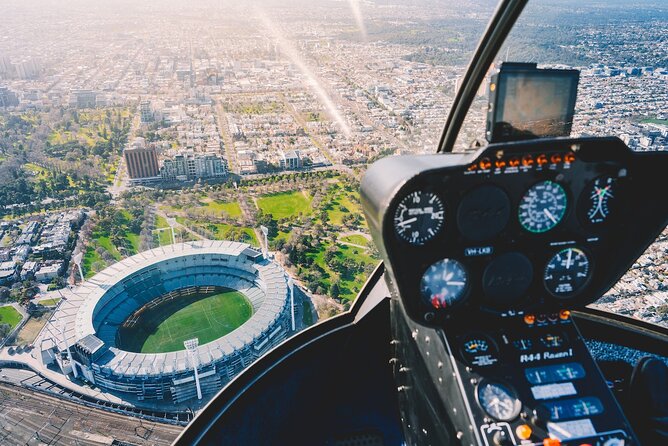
x=117, y=243
x=230, y=209
x=164, y=237
x=355, y=239
x=161, y=222
x=203, y=316
x=340, y=203
x=654, y=121
x=9, y=315
x=224, y=231
x=348, y=264
x=49, y=302
x=285, y=204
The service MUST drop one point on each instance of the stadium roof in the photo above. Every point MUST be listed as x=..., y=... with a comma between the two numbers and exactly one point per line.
x=77, y=309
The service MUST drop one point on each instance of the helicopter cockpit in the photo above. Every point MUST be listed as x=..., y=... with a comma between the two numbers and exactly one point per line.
x=474, y=330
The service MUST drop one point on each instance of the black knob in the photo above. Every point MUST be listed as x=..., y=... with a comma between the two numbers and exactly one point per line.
x=501, y=439
x=541, y=415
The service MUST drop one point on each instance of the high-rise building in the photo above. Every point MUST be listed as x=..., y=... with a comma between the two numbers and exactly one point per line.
x=145, y=111
x=5, y=66
x=83, y=98
x=291, y=160
x=27, y=68
x=141, y=160
x=193, y=167
x=8, y=98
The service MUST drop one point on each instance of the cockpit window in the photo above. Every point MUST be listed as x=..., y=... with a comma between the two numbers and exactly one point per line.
x=621, y=54
x=179, y=181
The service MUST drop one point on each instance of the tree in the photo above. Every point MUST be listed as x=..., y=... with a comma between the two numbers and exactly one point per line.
x=335, y=290
x=5, y=329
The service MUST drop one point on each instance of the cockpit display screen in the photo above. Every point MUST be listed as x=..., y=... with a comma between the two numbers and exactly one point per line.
x=527, y=102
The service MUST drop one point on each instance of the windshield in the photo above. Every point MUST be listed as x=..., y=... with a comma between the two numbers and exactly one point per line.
x=179, y=181
x=179, y=184
x=622, y=55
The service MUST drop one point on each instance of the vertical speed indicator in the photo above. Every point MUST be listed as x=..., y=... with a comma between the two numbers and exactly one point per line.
x=419, y=217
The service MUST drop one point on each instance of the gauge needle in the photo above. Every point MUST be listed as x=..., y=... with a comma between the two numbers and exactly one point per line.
x=405, y=222
x=568, y=259
x=549, y=215
x=455, y=283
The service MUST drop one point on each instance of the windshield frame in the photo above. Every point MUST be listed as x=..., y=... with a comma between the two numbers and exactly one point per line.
x=502, y=22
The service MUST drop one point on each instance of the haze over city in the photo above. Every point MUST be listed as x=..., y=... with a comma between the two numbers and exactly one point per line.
x=133, y=132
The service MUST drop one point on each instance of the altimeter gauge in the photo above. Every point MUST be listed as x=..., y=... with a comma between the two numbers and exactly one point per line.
x=419, y=217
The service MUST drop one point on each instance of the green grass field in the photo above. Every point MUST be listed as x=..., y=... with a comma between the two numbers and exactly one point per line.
x=285, y=204
x=350, y=286
x=161, y=222
x=49, y=302
x=223, y=231
x=339, y=203
x=9, y=315
x=219, y=207
x=355, y=239
x=206, y=317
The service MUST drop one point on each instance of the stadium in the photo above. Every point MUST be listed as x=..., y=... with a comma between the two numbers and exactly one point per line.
x=123, y=330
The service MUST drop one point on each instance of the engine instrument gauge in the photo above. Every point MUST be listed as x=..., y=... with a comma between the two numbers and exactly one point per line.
x=574, y=408
x=567, y=272
x=479, y=350
x=499, y=401
x=419, y=217
x=601, y=197
x=523, y=344
x=542, y=207
x=444, y=284
x=474, y=346
x=552, y=340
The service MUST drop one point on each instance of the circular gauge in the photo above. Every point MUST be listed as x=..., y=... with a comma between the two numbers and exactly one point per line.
x=419, y=217
x=506, y=279
x=542, y=207
x=479, y=350
x=499, y=401
x=567, y=272
x=600, y=199
x=444, y=284
x=552, y=340
x=523, y=344
x=483, y=212
x=476, y=346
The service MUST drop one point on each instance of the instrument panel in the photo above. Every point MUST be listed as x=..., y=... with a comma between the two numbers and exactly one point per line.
x=511, y=228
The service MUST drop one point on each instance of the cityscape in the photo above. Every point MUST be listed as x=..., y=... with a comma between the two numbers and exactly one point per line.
x=134, y=133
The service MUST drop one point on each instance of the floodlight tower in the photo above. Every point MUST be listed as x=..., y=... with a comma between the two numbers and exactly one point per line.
x=265, y=249
x=67, y=346
x=77, y=258
x=191, y=347
x=291, y=286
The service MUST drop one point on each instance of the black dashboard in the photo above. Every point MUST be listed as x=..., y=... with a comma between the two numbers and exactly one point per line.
x=487, y=254
x=516, y=227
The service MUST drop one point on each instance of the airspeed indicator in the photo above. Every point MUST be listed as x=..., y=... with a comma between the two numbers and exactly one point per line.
x=542, y=207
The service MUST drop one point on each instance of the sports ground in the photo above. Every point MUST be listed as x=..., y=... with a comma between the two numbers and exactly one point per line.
x=203, y=316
